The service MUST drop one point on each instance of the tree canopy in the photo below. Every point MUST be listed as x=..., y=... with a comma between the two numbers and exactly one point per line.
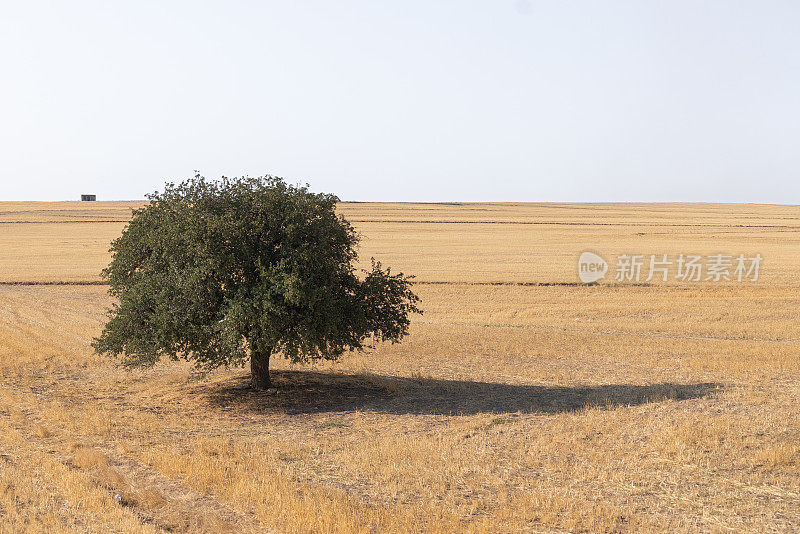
x=221, y=272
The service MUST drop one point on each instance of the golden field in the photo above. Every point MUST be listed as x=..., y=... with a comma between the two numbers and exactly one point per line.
x=521, y=401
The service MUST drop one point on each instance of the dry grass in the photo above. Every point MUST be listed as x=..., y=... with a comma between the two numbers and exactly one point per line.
x=542, y=408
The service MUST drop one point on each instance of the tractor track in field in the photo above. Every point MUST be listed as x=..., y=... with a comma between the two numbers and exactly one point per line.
x=486, y=221
x=155, y=499
x=622, y=333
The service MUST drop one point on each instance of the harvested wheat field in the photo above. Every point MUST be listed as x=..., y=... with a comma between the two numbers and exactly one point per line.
x=521, y=401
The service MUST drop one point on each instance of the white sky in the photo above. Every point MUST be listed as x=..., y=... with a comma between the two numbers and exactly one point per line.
x=539, y=100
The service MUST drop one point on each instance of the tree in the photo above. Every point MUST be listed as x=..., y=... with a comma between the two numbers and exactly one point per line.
x=221, y=272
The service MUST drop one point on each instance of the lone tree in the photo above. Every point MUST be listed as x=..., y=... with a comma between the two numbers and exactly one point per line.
x=222, y=272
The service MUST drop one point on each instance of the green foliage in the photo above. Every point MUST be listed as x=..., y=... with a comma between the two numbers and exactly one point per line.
x=215, y=271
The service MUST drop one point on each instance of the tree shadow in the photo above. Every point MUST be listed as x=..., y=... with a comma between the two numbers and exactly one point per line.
x=309, y=392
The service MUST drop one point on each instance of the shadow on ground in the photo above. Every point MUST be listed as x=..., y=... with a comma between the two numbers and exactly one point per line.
x=314, y=392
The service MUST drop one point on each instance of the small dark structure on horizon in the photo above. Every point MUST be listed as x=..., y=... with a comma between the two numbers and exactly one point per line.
x=85, y=198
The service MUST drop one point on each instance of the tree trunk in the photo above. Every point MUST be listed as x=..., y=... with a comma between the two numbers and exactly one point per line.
x=259, y=370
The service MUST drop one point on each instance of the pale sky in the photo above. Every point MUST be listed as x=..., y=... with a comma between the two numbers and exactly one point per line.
x=495, y=100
